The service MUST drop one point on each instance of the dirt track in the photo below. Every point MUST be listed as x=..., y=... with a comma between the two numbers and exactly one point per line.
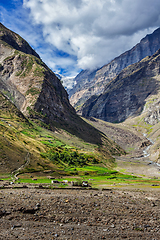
x=79, y=214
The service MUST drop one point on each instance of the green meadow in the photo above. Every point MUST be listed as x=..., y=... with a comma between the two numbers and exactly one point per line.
x=97, y=177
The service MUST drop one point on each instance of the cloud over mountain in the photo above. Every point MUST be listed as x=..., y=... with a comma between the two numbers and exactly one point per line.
x=73, y=35
x=94, y=31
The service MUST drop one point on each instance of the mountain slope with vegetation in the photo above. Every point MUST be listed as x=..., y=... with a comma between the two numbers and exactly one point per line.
x=23, y=142
x=39, y=128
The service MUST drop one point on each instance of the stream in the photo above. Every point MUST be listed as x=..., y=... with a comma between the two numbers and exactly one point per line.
x=146, y=153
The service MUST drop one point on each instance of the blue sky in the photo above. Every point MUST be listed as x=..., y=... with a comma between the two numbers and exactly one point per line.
x=16, y=17
x=72, y=35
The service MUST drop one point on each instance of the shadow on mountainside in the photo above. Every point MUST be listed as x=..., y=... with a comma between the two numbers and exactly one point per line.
x=126, y=94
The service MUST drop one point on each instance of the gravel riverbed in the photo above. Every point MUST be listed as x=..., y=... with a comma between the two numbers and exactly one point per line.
x=79, y=214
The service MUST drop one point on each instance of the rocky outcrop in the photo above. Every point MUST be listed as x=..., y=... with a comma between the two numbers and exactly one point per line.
x=93, y=82
x=27, y=81
x=153, y=114
x=127, y=94
x=15, y=41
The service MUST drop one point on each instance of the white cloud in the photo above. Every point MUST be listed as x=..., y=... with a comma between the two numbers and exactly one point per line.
x=93, y=32
x=17, y=20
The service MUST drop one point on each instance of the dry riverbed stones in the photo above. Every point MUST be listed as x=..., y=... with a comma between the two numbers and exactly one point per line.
x=79, y=214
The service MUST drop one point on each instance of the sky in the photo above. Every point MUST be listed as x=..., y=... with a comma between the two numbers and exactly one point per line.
x=71, y=35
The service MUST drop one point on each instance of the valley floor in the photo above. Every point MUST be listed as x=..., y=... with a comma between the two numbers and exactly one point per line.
x=138, y=160
x=141, y=167
x=31, y=213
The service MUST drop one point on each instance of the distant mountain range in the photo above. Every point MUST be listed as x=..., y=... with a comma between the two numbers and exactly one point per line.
x=67, y=82
x=130, y=96
x=89, y=83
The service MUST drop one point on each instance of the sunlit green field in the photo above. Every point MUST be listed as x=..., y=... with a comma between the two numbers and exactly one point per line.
x=97, y=177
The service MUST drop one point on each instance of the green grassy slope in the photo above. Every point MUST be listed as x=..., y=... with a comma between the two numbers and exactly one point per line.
x=23, y=142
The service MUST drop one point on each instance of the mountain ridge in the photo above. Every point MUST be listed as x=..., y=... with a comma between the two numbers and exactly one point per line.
x=34, y=88
x=16, y=41
x=95, y=85
x=127, y=93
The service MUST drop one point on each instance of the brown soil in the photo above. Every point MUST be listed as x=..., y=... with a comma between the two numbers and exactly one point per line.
x=79, y=214
x=124, y=136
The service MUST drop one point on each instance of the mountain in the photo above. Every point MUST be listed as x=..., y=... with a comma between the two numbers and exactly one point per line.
x=35, y=90
x=132, y=99
x=91, y=83
x=67, y=82
x=40, y=130
x=128, y=93
x=27, y=147
x=37, y=122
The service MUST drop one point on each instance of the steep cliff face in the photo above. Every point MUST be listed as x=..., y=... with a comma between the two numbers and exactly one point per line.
x=35, y=90
x=95, y=81
x=128, y=93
